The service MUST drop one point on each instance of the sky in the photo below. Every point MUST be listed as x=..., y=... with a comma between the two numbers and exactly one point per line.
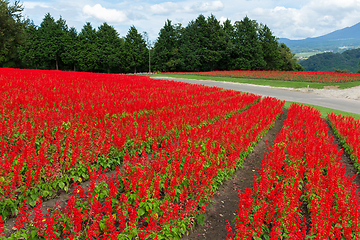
x=291, y=19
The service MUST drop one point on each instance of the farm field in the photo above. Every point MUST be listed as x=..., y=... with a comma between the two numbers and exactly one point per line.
x=154, y=153
x=276, y=78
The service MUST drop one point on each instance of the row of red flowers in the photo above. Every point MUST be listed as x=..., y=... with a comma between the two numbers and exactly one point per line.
x=302, y=173
x=347, y=128
x=324, y=77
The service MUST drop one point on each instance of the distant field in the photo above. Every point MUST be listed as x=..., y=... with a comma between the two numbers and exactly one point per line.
x=306, y=55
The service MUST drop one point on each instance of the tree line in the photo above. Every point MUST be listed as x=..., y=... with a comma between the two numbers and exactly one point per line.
x=204, y=44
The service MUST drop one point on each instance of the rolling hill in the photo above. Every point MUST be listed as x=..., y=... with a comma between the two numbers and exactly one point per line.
x=337, y=41
x=328, y=62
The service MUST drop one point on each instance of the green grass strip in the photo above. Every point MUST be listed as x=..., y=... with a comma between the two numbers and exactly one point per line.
x=264, y=82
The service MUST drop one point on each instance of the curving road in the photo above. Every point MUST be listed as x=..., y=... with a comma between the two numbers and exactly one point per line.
x=309, y=98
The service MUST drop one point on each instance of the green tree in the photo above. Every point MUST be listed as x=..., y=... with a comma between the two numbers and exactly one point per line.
x=288, y=60
x=248, y=53
x=109, y=48
x=71, y=49
x=136, y=53
x=270, y=47
x=87, y=51
x=30, y=53
x=52, y=40
x=191, y=48
x=229, y=30
x=230, y=48
x=12, y=30
x=203, y=45
x=166, y=50
x=215, y=45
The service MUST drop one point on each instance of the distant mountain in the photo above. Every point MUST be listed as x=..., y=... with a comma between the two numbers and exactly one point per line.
x=336, y=41
x=328, y=62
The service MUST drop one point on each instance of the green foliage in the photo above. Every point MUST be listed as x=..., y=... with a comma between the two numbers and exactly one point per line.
x=248, y=53
x=135, y=51
x=166, y=54
x=52, y=35
x=71, y=48
x=12, y=30
x=29, y=52
x=87, y=53
x=203, y=45
x=270, y=49
x=288, y=60
x=333, y=62
x=109, y=48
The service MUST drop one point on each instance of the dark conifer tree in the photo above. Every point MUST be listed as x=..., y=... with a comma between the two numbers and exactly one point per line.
x=270, y=47
x=248, y=53
x=166, y=50
x=109, y=48
x=30, y=53
x=87, y=51
x=135, y=51
x=71, y=49
x=52, y=36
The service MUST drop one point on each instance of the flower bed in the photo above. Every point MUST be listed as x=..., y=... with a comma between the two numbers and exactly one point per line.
x=347, y=130
x=324, y=77
x=301, y=173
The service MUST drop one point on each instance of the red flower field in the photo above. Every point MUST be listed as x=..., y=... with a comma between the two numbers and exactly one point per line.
x=324, y=77
x=170, y=146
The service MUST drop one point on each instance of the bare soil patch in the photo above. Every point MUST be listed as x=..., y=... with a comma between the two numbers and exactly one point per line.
x=331, y=87
x=333, y=91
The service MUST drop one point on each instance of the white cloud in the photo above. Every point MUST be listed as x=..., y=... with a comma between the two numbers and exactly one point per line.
x=32, y=5
x=104, y=14
x=208, y=6
x=185, y=7
x=164, y=8
x=315, y=18
x=286, y=18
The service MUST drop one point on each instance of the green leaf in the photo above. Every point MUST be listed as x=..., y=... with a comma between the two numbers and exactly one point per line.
x=45, y=193
x=32, y=203
x=141, y=212
x=61, y=185
x=34, y=196
x=102, y=226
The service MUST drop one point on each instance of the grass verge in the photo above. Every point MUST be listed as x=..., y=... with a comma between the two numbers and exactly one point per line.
x=264, y=82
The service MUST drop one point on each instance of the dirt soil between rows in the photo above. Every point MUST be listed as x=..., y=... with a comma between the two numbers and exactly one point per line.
x=226, y=199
